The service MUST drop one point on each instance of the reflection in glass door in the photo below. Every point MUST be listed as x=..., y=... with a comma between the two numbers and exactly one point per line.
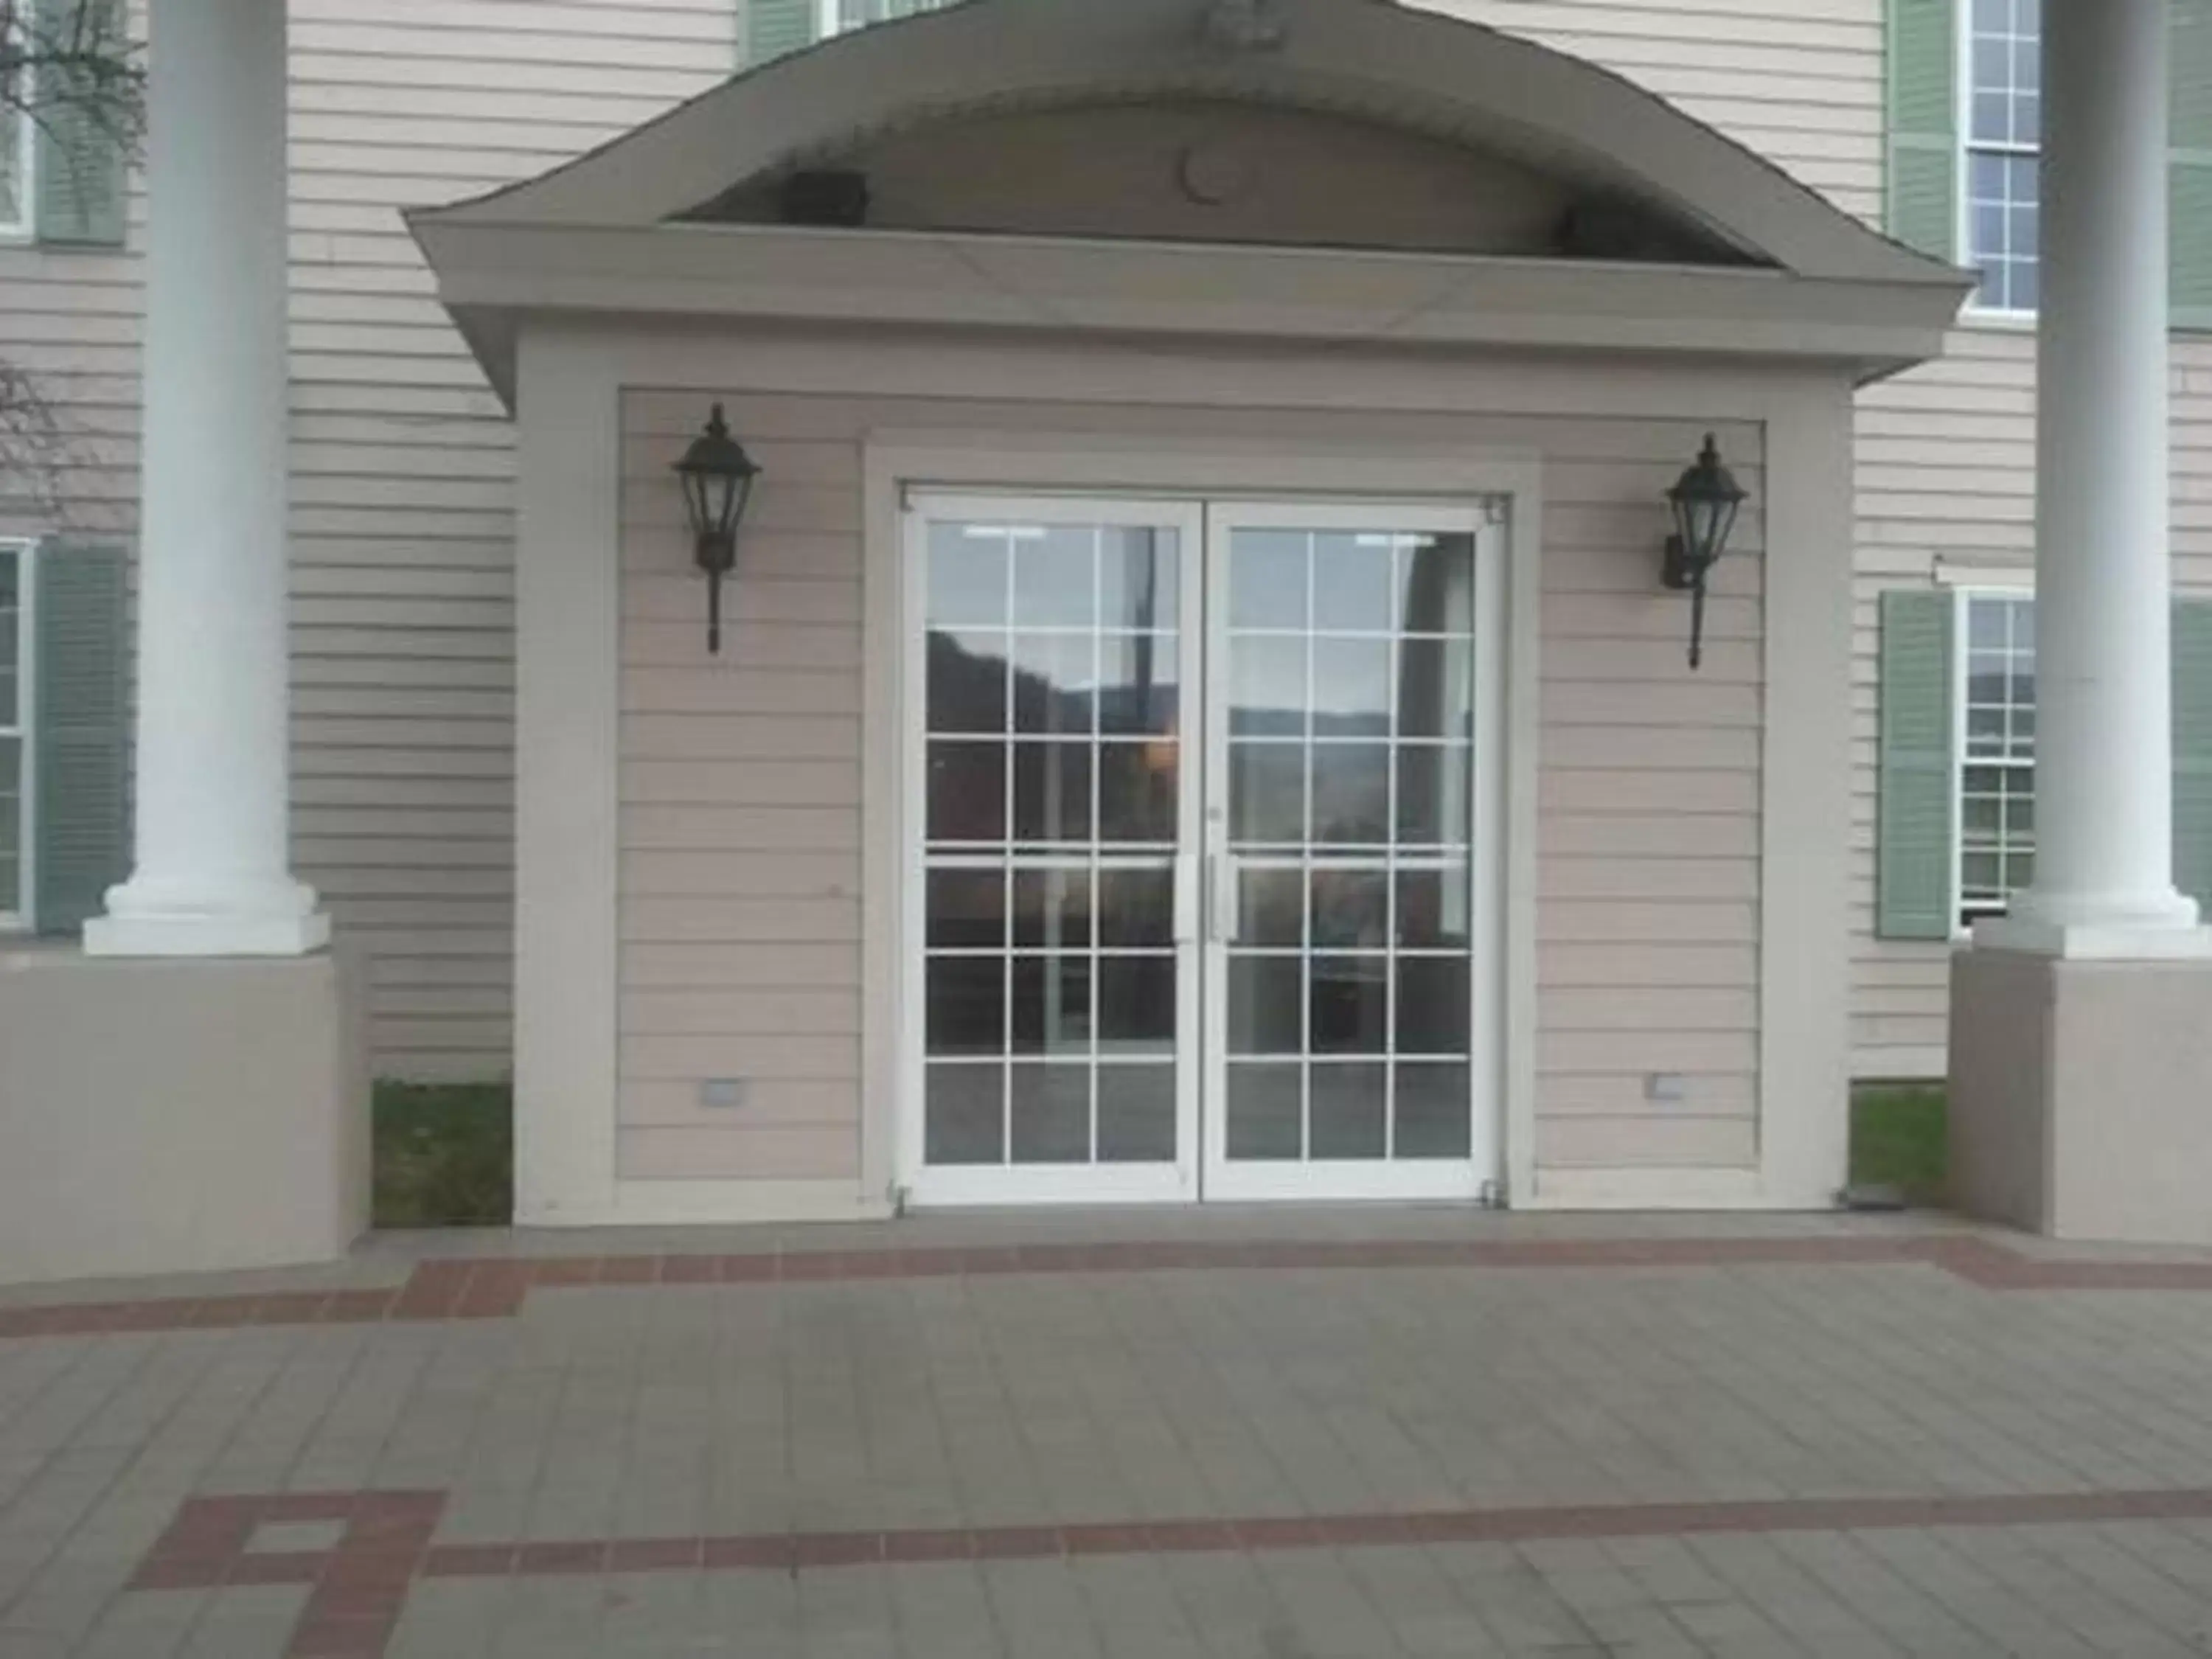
x=1200, y=799
x=1342, y=835
x=1058, y=978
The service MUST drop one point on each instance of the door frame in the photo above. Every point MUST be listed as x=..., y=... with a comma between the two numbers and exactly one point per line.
x=1321, y=1180
x=899, y=461
x=1010, y=1184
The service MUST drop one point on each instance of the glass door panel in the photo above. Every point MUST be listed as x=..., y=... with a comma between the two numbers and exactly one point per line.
x=1342, y=842
x=1056, y=795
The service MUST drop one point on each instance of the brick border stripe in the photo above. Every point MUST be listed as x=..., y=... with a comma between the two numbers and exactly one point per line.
x=360, y=1585
x=494, y=1287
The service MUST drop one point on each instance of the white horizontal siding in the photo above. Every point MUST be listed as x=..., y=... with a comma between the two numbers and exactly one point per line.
x=741, y=831
x=403, y=469
x=1800, y=83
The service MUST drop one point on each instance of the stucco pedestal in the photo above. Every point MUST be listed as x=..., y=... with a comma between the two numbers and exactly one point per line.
x=2081, y=1101
x=178, y=1116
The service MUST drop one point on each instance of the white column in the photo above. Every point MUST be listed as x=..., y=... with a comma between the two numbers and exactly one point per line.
x=213, y=877
x=2104, y=766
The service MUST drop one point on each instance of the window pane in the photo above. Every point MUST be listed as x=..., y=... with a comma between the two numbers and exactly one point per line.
x=1351, y=794
x=1267, y=579
x=967, y=792
x=967, y=681
x=1050, y=1110
x=963, y=1117
x=1268, y=687
x=967, y=575
x=1054, y=678
x=1350, y=995
x=1139, y=578
x=1350, y=688
x=1136, y=691
x=1437, y=573
x=1272, y=908
x=1436, y=688
x=1432, y=1005
x=966, y=909
x=1136, y=1006
x=1052, y=1004
x=1434, y=1118
x=1265, y=1114
x=967, y=1011
x=1052, y=792
x=1055, y=578
x=1052, y=908
x=1349, y=1107
x=1267, y=793
x=1264, y=998
x=1351, y=907
x=1136, y=1113
x=1352, y=582
x=1136, y=907
x=11, y=865
x=1432, y=909
x=1138, y=784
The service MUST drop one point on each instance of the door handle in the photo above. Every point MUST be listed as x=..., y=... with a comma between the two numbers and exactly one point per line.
x=1224, y=903
x=1188, y=898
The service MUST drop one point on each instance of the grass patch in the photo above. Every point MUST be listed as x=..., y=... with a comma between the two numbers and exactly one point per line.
x=444, y=1155
x=1898, y=1139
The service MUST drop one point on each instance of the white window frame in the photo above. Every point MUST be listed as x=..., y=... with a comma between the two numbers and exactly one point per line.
x=23, y=226
x=1963, y=598
x=1962, y=94
x=24, y=917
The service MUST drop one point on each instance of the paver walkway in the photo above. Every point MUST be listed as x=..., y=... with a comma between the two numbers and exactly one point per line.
x=1253, y=1433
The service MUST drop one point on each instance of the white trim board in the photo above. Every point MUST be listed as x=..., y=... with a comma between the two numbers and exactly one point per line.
x=954, y=460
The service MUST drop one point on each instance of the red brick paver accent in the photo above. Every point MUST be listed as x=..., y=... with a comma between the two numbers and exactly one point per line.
x=360, y=1584
x=497, y=1287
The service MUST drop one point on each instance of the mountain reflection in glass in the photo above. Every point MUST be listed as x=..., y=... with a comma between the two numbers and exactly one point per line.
x=1052, y=778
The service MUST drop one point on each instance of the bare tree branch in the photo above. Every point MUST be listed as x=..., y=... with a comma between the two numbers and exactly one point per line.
x=70, y=67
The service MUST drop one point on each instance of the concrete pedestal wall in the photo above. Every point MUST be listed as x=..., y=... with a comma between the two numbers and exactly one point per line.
x=2086, y=1111
x=167, y=1116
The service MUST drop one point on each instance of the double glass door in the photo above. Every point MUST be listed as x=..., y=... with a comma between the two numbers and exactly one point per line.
x=1197, y=828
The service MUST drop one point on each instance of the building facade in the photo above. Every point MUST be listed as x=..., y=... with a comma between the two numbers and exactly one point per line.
x=1916, y=116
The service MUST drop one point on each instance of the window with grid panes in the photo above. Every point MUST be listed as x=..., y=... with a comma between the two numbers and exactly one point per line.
x=2003, y=126
x=1997, y=751
x=15, y=663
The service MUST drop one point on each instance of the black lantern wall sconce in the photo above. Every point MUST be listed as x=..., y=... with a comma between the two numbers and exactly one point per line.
x=1705, y=499
x=718, y=478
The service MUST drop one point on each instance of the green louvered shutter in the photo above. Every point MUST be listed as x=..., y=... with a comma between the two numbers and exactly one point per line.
x=1919, y=793
x=83, y=155
x=775, y=27
x=82, y=741
x=1922, y=194
x=2189, y=174
x=2192, y=750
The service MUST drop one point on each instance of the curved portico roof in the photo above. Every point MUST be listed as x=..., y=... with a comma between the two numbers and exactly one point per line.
x=1374, y=60
x=534, y=245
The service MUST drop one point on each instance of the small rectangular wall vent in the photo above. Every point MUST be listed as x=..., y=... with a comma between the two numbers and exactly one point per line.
x=722, y=1094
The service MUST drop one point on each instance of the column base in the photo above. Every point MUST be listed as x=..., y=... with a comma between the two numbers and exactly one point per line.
x=2077, y=1094
x=144, y=922
x=169, y=1117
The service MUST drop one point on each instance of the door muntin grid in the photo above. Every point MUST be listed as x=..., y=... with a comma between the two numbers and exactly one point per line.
x=1053, y=778
x=1346, y=659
